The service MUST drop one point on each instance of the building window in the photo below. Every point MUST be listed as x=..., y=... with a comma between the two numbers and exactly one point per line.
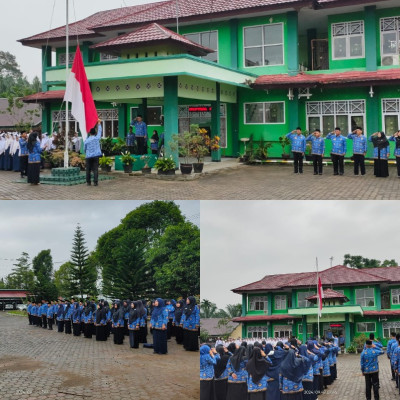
x=257, y=331
x=107, y=57
x=280, y=302
x=206, y=39
x=389, y=327
x=264, y=113
x=366, y=327
x=301, y=299
x=348, y=40
x=391, y=115
x=309, y=329
x=258, y=303
x=390, y=41
x=326, y=115
x=263, y=45
x=152, y=117
x=395, y=296
x=282, y=331
x=63, y=57
x=365, y=297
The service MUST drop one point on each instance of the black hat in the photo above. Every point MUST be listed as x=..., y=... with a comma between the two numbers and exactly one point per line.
x=337, y=129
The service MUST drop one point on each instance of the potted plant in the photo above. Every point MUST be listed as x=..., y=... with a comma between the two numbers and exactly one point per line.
x=198, y=150
x=165, y=166
x=184, y=142
x=57, y=158
x=262, y=150
x=215, y=149
x=46, y=155
x=105, y=163
x=284, y=141
x=127, y=162
x=146, y=158
x=76, y=161
x=359, y=342
x=119, y=147
x=106, y=145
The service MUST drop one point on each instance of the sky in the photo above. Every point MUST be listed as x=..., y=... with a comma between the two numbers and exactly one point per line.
x=243, y=241
x=24, y=18
x=32, y=226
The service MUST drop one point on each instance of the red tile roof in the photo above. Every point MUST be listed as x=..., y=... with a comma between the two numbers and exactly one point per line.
x=44, y=96
x=339, y=275
x=280, y=317
x=328, y=294
x=6, y=294
x=382, y=313
x=303, y=80
x=151, y=33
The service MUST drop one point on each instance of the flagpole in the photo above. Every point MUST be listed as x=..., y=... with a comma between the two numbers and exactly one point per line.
x=66, y=79
x=319, y=300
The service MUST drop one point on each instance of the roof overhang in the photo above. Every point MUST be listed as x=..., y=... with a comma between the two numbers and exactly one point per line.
x=253, y=318
x=43, y=97
x=326, y=310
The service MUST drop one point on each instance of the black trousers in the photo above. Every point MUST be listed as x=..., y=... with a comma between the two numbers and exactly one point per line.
x=338, y=164
x=76, y=328
x=160, y=341
x=23, y=165
x=92, y=165
x=50, y=322
x=398, y=165
x=68, y=326
x=119, y=335
x=44, y=319
x=359, y=163
x=317, y=163
x=372, y=382
x=141, y=144
x=298, y=162
x=134, y=338
x=60, y=326
x=30, y=319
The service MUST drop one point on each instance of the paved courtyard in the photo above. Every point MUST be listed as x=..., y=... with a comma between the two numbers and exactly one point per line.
x=350, y=384
x=37, y=364
x=267, y=182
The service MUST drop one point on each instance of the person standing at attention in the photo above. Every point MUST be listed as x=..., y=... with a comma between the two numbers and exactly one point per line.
x=359, y=149
x=370, y=369
x=140, y=134
x=93, y=152
x=339, y=147
x=317, y=150
x=298, y=142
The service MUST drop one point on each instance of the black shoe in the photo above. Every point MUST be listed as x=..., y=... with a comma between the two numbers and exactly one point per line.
x=96, y=184
x=341, y=173
x=89, y=184
x=335, y=173
x=320, y=173
x=300, y=172
x=315, y=173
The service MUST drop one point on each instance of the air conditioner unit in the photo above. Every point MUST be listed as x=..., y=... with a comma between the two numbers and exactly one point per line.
x=390, y=60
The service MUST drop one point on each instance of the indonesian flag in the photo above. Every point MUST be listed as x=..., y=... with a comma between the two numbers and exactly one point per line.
x=79, y=94
x=320, y=296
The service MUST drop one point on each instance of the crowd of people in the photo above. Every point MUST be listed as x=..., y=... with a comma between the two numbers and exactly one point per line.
x=273, y=370
x=164, y=318
x=339, y=148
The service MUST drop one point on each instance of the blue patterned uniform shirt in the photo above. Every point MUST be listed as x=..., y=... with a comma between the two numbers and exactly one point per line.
x=317, y=145
x=339, y=144
x=359, y=143
x=140, y=128
x=369, y=360
x=298, y=142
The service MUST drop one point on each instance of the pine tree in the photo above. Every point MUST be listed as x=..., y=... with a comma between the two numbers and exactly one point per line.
x=83, y=273
x=22, y=276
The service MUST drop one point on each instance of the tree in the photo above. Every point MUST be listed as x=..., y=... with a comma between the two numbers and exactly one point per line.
x=138, y=232
x=360, y=262
x=83, y=278
x=62, y=279
x=2, y=284
x=22, y=276
x=207, y=309
x=44, y=288
x=176, y=261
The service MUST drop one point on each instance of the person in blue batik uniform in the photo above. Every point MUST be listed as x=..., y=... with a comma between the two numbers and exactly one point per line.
x=93, y=152
x=154, y=142
x=171, y=311
x=237, y=375
x=159, y=320
x=179, y=306
x=208, y=359
x=370, y=368
x=100, y=323
x=126, y=308
x=221, y=373
x=130, y=141
x=257, y=368
x=143, y=321
x=76, y=320
x=134, y=325
x=389, y=350
x=339, y=148
x=118, y=321
x=298, y=142
x=60, y=316
x=395, y=349
x=308, y=377
x=396, y=138
x=67, y=318
x=28, y=310
x=44, y=309
x=87, y=319
x=359, y=149
x=317, y=150
x=33, y=159
x=50, y=315
x=381, y=154
x=140, y=134
x=276, y=356
x=190, y=322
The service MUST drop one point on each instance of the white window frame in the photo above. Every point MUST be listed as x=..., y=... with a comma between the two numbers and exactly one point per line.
x=390, y=326
x=347, y=36
x=278, y=300
x=263, y=45
x=104, y=57
x=257, y=331
x=307, y=303
x=336, y=108
x=364, y=297
x=366, y=326
x=71, y=56
x=258, y=299
x=390, y=108
x=264, y=103
x=395, y=293
x=283, y=331
x=200, y=33
x=309, y=329
x=396, y=29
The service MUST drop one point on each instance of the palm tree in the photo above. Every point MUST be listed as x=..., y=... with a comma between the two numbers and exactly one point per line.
x=207, y=309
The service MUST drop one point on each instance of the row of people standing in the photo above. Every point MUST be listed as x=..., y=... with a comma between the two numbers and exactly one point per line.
x=339, y=148
x=289, y=370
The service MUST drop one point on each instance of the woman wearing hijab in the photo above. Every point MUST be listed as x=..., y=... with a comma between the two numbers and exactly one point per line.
x=381, y=154
x=293, y=368
x=190, y=322
x=158, y=322
x=237, y=375
x=33, y=159
x=100, y=323
x=67, y=318
x=134, y=325
x=308, y=378
x=60, y=317
x=107, y=312
x=257, y=367
x=76, y=320
x=396, y=138
x=177, y=321
x=171, y=311
x=208, y=359
x=326, y=367
x=93, y=321
x=87, y=319
x=118, y=321
x=276, y=357
x=143, y=321
x=221, y=373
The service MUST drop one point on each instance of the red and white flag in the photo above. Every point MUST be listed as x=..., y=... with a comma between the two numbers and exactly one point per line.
x=320, y=296
x=79, y=94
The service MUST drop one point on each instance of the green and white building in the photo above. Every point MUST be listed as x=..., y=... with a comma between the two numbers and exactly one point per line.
x=274, y=65
x=355, y=301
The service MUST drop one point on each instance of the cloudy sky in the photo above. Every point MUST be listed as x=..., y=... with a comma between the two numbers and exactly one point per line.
x=242, y=241
x=24, y=18
x=32, y=226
